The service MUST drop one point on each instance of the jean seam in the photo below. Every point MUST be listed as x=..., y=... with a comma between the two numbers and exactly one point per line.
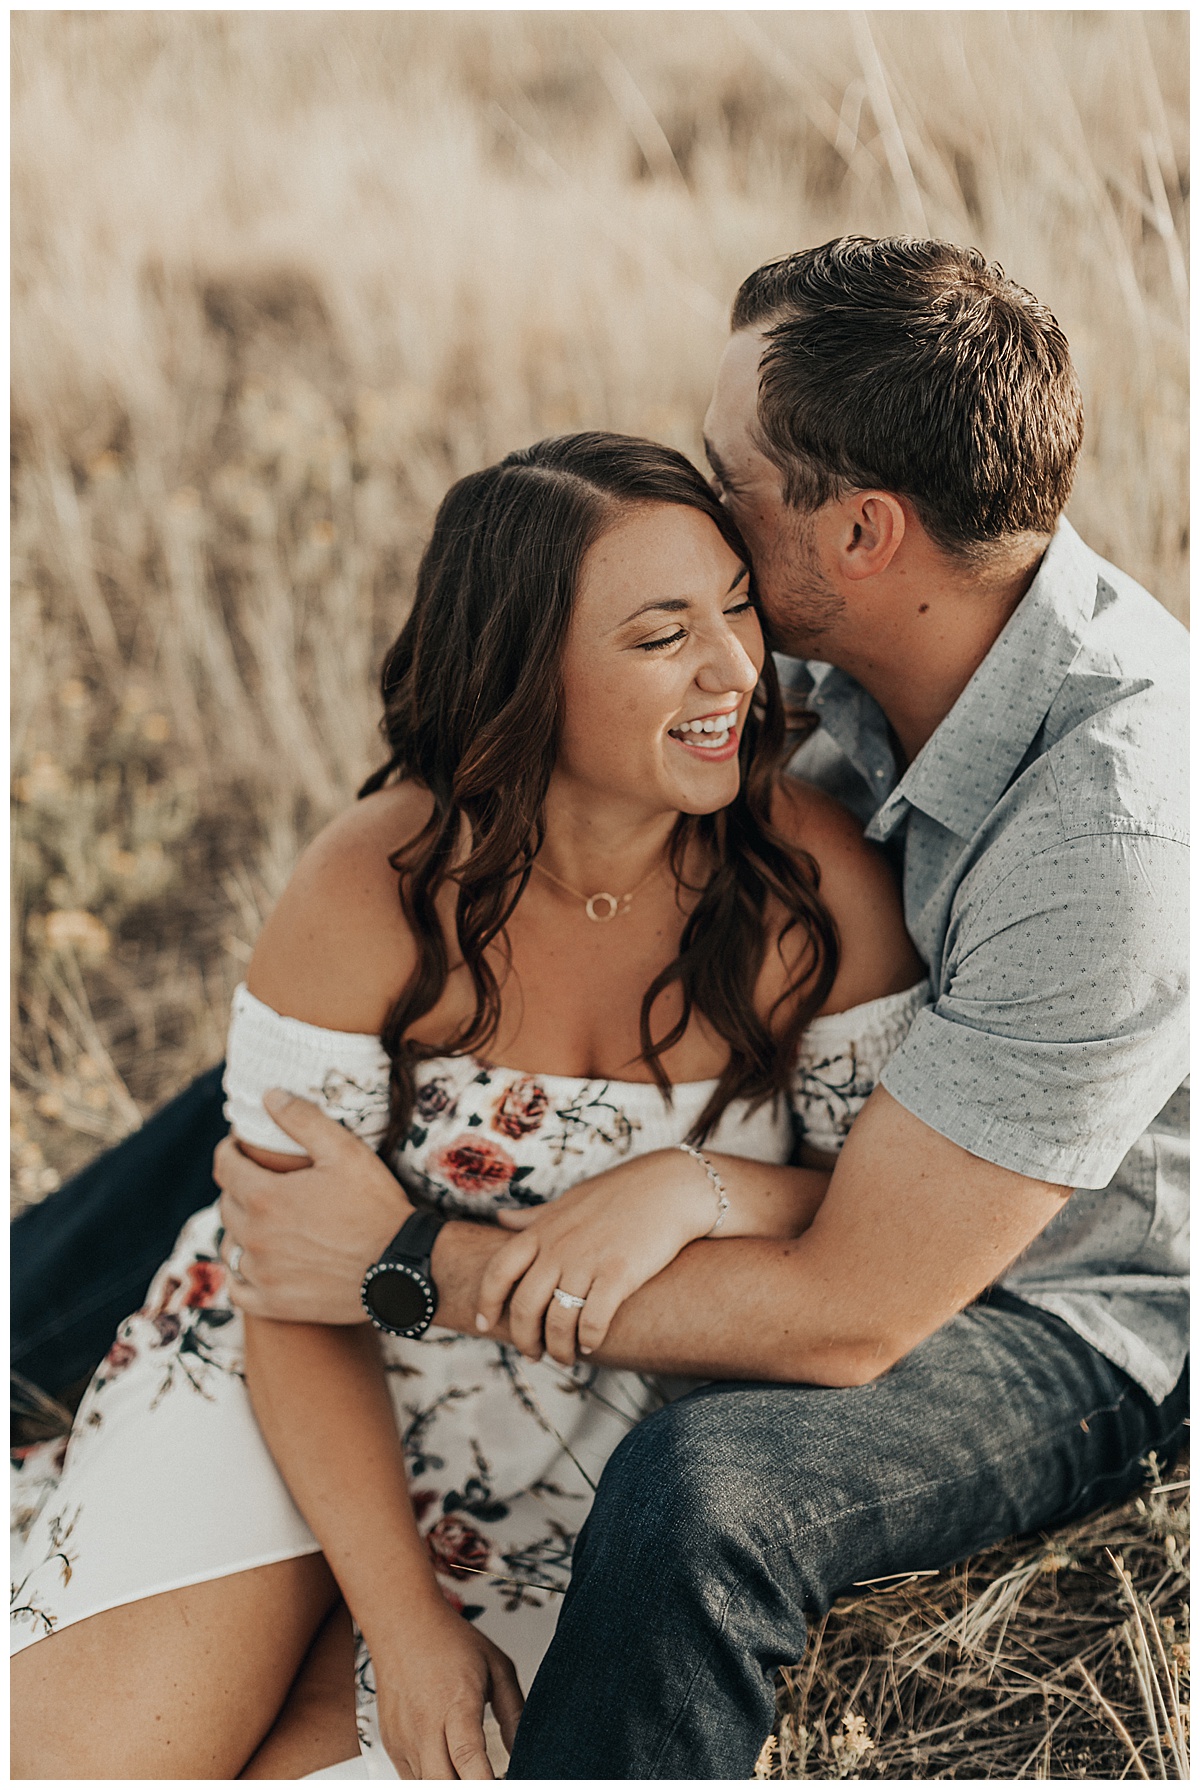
x=686, y=1696
x=773, y=1547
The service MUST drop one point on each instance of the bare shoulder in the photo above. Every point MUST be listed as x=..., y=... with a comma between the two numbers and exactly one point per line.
x=860, y=891
x=337, y=949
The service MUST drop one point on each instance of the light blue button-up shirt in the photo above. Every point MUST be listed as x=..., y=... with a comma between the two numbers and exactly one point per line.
x=1042, y=835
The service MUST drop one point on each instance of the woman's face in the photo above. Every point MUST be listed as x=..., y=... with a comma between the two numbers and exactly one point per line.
x=662, y=658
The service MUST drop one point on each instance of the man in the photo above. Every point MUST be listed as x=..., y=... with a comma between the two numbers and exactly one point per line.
x=984, y=1330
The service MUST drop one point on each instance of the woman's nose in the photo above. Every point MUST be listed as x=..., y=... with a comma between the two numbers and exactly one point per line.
x=728, y=669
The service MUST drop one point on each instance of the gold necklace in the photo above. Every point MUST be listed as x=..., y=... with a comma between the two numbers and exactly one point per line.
x=617, y=904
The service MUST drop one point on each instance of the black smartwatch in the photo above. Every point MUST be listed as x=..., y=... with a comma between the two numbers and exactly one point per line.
x=398, y=1293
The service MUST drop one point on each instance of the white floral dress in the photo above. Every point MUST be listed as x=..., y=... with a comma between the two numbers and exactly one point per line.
x=165, y=1480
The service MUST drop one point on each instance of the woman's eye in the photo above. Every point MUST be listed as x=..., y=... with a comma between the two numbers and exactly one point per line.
x=741, y=608
x=654, y=646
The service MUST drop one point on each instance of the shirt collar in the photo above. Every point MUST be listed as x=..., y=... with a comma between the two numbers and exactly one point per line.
x=853, y=720
x=966, y=765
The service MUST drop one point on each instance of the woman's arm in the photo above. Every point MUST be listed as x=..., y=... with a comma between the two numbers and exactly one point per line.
x=335, y=944
x=320, y=1396
x=912, y=1228
x=321, y=1400
x=611, y=1234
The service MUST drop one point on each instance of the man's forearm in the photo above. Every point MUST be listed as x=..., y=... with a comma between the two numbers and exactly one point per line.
x=741, y=1308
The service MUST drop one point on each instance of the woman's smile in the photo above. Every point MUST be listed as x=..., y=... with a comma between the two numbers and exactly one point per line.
x=712, y=737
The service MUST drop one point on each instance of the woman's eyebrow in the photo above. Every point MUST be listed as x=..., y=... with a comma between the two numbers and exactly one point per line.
x=673, y=605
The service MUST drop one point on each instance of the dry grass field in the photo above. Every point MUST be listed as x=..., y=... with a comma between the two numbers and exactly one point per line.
x=279, y=278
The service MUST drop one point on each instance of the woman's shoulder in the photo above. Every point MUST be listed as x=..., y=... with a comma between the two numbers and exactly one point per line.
x=859, y=889
x=337, y=948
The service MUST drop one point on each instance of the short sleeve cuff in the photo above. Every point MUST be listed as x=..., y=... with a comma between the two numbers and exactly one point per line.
x=1055, y=1113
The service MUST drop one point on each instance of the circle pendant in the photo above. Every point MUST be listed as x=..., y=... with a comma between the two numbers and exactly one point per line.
x=614, y=906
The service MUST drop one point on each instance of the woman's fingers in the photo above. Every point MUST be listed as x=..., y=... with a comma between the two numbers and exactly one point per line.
x=464, y=1744
x=561, y=1322
x=502, y=1273
x=527, y=1306
x=519, y=1218
x=506, y=1699
x=605, y=1296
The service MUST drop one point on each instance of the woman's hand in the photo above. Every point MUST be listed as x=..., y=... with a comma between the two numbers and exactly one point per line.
x=601, y=1241
x=431, y=1690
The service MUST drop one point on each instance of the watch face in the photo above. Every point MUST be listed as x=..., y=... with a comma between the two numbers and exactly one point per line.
x=398, y=1298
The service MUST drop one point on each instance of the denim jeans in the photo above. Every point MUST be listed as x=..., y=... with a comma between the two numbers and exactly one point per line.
x=726, y=1522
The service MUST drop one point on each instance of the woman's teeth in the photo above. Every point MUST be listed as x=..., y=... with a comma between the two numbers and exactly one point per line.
x=715, y=731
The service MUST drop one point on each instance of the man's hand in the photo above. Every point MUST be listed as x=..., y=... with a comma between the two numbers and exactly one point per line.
x=307, y=1236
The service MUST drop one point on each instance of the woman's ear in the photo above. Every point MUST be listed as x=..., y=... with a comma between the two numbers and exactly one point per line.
x=874, y=525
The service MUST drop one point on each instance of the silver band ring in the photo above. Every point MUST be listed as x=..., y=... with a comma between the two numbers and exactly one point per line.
x=569, y=1301
x=235, y=1264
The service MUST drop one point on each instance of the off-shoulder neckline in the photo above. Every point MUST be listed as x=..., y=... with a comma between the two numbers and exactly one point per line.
x=821, y=1026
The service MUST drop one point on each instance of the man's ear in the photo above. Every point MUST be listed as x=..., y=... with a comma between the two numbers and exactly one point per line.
x=873, y=525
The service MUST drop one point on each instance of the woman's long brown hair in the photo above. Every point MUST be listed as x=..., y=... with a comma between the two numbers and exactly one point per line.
x=472, y=698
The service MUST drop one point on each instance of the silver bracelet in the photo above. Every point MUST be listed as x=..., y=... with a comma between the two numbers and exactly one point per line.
x=718, y=1184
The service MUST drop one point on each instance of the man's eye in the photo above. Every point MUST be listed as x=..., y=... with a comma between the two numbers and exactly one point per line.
x=654, y=646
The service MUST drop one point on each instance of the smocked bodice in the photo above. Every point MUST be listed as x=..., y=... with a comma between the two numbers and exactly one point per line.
x=484, y=1136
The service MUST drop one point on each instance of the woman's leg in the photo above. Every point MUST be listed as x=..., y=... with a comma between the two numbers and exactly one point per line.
x=182, y=1685
x=316, y=1726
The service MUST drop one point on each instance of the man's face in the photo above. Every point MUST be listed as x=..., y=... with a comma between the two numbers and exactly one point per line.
x=797, y=597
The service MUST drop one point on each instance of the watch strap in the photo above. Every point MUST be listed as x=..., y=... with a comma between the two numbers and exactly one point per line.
x=415, y=1239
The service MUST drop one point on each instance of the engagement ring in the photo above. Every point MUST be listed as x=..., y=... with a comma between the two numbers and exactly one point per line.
x=235, y=1264
x=569, y=1301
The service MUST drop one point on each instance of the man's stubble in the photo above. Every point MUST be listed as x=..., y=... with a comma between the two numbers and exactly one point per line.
x=801, y=607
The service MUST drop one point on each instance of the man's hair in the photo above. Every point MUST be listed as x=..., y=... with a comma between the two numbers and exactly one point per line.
x=919, y=368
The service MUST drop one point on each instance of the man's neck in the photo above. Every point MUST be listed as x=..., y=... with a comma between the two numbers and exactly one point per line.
x=926, y=643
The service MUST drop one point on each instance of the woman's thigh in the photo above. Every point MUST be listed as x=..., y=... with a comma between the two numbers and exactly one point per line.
x=316, y=1726
x=181, y=1685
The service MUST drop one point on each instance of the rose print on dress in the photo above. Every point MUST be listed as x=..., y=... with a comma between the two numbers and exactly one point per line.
x=183, y=1318
x=436, y=1098
x=522, y=1109
x=205, y=1282
x=472, y=1165
x=457, y=1548
x=118, y=1357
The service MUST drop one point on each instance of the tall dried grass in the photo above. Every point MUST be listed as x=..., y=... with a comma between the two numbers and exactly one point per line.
x=1064, y=1657
x=280, y=277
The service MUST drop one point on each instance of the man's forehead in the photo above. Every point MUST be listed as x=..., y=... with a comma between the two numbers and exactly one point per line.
x=735, y=394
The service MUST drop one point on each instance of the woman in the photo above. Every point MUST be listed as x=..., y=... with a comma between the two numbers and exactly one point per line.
x=619, y=930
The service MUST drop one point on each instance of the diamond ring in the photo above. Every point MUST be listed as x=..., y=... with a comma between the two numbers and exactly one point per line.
x=235, y=1264
x=569, y=1301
